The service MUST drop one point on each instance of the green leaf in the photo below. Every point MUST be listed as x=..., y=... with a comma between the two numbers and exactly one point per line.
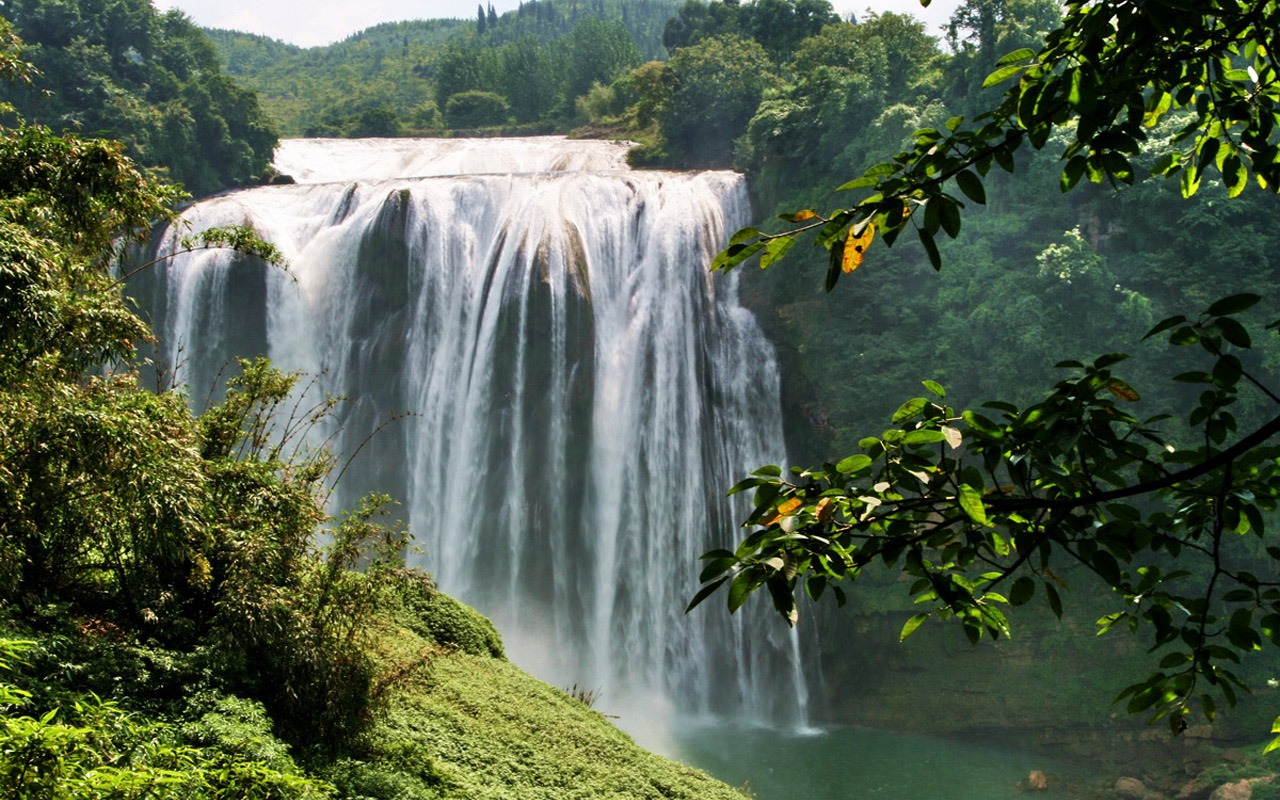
x=1158, y=105
x=703, y=594
x=1235, y=333
x=717, y=567
x=972, y=187
x=1190, y=180
x=735, y=254
x=743, y=485
x=1021, y=54
x=909, y=409
x=971, y=503
x=949, y=215
x=924, y=437
x=1105, y=565
x=935, y=387
x=911, y=625
x=1072, y=172
x=853, y=464
x=1055, y=602
x=1165, y=325
x=865, y=182
x=742, y=587
x=930, y=247
x=881, y=169
x=776, y=249
x=1233, y=304
x=1003, y=74
x=1023, y=590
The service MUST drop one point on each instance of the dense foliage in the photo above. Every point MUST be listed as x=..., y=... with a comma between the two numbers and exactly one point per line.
x=539, y=59
x=989, y=508
x=153, y=81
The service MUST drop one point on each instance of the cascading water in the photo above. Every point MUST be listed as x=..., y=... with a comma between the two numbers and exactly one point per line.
x=581, y=389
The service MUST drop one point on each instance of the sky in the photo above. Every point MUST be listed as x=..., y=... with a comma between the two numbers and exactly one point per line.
x=316, y=22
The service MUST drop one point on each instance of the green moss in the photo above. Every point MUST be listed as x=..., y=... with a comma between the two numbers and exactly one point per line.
x=459, y=721
x=493, y=732
x=438, y=617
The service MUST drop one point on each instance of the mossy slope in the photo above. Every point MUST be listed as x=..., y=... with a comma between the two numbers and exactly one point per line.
x=468, y=723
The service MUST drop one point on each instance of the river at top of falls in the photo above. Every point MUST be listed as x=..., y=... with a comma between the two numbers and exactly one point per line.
x=333, y=160
x=580, y=391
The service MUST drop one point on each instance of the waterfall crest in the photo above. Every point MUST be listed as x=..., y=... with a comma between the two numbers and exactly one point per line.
x=582, y=390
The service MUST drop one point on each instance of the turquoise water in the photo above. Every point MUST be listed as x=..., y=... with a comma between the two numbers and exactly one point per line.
x=844, y=763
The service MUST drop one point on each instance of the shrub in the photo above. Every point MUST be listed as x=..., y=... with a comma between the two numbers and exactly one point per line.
x=445, y=621
x=476, y=109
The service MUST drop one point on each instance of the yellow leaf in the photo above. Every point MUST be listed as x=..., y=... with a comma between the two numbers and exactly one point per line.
x=799, y=216
x=1122, y=390
x=785, y=509
x=825, y=509
x=855, y=246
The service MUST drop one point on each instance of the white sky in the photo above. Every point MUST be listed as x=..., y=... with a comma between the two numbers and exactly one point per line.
x=316, y=22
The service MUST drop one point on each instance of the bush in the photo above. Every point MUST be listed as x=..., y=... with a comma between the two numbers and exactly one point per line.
x=476, y=110
x=445, y=621
x=85, y=747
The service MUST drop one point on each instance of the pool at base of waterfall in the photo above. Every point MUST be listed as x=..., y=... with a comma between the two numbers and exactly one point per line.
x=849, y=763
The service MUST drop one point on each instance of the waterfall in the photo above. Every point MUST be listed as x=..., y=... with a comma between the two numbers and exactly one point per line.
x=581, y=390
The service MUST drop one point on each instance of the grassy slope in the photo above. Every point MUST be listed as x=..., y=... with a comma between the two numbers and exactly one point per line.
x=470, y=724
x=494, y=732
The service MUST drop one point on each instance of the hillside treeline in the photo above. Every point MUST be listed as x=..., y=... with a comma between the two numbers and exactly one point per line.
x=522, y=68
x=119, y=68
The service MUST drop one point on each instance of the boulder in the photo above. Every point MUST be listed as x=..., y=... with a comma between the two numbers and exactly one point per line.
x=1134, y=789
x=1238, y=790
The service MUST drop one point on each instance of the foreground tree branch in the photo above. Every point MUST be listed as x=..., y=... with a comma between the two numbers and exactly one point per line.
x=964, y=503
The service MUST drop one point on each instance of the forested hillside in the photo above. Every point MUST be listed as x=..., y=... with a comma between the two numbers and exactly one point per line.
x=119, y=68
x=520, y=68
x=170, y=625
x=1033, y=264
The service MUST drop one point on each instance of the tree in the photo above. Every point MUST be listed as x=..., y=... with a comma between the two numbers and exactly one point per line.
x=715, y=87
x=697, y=21
x=475, y=110
x=984, y=513
x=151, y=80
x=596, y=51
x=780, y=25
x=532, y=79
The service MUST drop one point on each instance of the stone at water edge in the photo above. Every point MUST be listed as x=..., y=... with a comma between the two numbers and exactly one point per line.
x=1134, y=789
x=1037, y=781
x=1238, y=790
